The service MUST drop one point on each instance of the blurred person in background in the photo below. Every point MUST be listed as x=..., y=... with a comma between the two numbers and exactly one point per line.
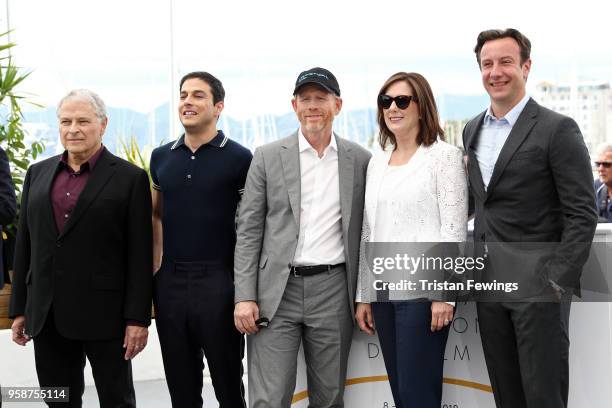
x=603, y=186
x=8, y=209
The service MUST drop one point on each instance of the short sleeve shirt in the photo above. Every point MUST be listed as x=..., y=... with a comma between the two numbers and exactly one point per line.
x=200, y=194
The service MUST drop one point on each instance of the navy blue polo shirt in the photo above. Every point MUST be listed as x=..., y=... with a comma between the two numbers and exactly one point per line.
x=200, y=193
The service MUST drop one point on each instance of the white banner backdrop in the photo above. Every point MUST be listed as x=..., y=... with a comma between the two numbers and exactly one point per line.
x=466, y=382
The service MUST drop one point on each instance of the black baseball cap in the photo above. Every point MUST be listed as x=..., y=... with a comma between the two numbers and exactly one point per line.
x=318, y=76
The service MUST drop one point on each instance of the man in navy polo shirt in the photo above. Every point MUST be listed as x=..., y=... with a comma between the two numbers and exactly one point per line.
x=197, y=183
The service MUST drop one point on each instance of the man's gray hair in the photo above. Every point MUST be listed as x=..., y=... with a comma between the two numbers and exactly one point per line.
x=88, y=96
x=603, y=148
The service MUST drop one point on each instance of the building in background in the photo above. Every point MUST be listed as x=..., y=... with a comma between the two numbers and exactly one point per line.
x=588, y=103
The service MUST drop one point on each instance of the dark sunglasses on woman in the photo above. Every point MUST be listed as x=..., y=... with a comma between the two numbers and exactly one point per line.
x=401, y=101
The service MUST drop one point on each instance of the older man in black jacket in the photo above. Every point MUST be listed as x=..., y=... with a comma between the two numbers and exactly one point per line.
x=83, y=284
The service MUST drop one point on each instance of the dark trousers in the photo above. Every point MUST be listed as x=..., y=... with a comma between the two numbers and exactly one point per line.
x=60, y=363
x=526, y=347
x=413, y=354
x=195, y=317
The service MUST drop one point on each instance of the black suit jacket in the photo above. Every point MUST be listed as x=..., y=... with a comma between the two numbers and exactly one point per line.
x=540, y=192
x=97, y=273
x=8, y=208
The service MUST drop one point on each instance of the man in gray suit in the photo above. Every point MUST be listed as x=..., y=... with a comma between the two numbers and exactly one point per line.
x=297, y=251
x=530, y=176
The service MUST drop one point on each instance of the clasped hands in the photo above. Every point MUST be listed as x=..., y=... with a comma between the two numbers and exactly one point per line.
x=441, y=315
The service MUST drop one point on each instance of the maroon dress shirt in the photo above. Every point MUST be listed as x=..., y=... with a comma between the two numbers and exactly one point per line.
x=68, y=185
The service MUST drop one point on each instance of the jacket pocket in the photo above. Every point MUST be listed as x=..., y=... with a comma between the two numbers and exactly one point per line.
x=526, y=155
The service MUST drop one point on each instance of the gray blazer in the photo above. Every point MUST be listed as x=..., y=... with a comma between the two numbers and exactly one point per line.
x=541, y=191
x=269, y=219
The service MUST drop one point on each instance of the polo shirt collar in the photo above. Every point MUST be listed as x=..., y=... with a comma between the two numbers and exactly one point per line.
x=220, y=140
x=304, y=145
x=512, y=116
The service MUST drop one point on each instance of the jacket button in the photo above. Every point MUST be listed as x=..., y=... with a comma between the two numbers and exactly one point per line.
x=59, y=244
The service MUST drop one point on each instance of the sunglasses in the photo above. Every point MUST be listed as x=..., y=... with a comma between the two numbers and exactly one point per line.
x=401, y=101
x=606, y=165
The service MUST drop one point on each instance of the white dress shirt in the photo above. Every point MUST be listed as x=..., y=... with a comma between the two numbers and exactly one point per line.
x=320, y=237
x=493, y=135
x=424, y=200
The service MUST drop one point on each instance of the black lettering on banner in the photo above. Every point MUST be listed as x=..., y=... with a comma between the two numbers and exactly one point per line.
x=373, y=348
x=466, y=351
x=460, y=325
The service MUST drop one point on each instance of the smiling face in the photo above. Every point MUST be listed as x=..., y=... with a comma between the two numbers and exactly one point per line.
x=503, y=74
x=196, y=108
x=316, y=109
x=80, y=129
x=401, y=121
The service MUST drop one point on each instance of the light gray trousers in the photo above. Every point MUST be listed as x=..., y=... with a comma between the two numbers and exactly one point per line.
x=315, y=310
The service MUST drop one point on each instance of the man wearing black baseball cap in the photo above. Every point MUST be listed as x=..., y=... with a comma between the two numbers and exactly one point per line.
x=296, y=258
x=318, y=76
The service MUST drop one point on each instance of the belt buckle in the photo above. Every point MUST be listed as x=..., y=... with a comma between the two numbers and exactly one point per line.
x=296, y=274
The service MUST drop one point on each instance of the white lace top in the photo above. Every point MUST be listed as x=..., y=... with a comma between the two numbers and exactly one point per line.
x=424, y=200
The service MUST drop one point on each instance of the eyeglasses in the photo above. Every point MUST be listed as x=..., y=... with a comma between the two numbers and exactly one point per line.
x=401, y=101
x=606, y=165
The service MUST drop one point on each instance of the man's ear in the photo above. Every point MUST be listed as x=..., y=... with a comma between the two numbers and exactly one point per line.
x=526, y=68
x=104, y=122
x=219, y=108
x=338, y=105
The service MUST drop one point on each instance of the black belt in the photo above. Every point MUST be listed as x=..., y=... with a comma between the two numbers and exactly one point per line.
x=310, y=270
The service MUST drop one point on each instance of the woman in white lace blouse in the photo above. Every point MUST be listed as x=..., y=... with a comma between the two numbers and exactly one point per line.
x=416, y=191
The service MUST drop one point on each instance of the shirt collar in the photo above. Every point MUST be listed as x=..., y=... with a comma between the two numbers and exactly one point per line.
x=89, y=164
x=512, y=116
x=220, y=140
x=304, y=145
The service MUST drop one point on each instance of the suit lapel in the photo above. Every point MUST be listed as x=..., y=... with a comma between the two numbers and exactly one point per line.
x=47, y=183
x=101, y=174
x=290, y=158
x=345, y=178
x=519, y=132
x=475, y=176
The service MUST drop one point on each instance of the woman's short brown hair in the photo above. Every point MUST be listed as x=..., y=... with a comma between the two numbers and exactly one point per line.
x=429, y=121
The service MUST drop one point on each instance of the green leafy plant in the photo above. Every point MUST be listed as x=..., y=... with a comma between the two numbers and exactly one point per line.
x=131, y=152
x=12, y=132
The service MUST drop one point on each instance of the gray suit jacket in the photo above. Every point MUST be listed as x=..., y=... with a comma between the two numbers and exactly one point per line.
x=269, y=219
x=540, y=192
